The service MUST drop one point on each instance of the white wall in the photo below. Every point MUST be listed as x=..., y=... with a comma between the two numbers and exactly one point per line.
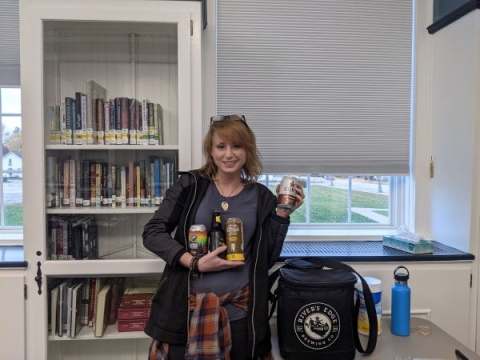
x=449, y=74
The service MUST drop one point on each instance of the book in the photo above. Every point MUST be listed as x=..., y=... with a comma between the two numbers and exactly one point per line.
x=85, y=301
x=91, y=301
x=144, y=123
x=50, y=181
x=158, y=124
x=78, y=184
x=151, y=123
x=62, y=308
x=133, y=313
x=79, y=133
x=105, y=195
x=131, y=200
x=139, y=293
x=68, y=323
x=93, y=186
x=97, y=284
x=156, y=180
x=106, y=119
x=72, y=182
x=100, y=120
x=53, y=311
x=117, y=291
x=98, y=184
x=123, y=186
x=69, y=120
x=53, y=113
x=85, y=182
x=102, y=310
x=118, y=121
x=128, y=325
x=125, y=118
x=94, y=91
x=76, y=309
x=134, y=121
x=54, y=287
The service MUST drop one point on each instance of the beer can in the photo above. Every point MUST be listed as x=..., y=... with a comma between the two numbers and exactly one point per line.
x=234, y=239
x=286, y=195
x=197, y=240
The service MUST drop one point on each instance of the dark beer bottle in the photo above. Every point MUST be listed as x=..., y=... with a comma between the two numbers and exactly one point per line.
x=216, y=236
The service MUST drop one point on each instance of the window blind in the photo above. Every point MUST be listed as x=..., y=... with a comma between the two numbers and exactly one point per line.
x=9, y=43
x=325, y=85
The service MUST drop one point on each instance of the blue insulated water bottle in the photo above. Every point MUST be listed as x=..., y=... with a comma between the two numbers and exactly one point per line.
x=401, y=302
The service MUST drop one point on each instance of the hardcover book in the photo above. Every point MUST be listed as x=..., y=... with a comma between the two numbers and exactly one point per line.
x=131, y=325
x=76, y=312
x=139, y=293
x=102, y=310
x=94, y=91
x=117, y=291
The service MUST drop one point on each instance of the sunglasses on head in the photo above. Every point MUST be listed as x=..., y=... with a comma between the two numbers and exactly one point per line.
x=218, y=118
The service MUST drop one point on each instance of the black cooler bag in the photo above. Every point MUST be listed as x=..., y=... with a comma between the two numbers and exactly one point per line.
x=318, y=311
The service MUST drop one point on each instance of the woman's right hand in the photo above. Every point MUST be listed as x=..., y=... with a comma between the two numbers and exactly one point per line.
x=212, y=262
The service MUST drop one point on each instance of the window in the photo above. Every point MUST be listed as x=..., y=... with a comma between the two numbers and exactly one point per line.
x=327, y=88
x=341, y=200
x=442, y=8
x=11, y=209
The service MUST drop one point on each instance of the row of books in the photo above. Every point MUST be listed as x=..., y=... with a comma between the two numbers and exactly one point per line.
x=98, y=303
x=72, y=237
x=93, y=183
x=90, y=118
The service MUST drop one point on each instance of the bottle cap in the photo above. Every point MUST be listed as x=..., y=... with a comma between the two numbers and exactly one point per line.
x=401, y=276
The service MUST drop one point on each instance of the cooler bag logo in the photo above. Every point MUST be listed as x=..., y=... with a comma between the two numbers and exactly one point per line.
x=317, y=325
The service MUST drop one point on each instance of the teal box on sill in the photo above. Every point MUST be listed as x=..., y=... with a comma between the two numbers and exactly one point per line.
x=412, y=247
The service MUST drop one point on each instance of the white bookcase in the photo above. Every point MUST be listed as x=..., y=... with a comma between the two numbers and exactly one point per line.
x=136, y=49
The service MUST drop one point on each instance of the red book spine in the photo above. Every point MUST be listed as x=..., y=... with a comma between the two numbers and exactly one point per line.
x=136, y=300
x=133, y=313
x=131, y=325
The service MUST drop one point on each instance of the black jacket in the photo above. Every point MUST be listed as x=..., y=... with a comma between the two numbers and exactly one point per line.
x=169, y=321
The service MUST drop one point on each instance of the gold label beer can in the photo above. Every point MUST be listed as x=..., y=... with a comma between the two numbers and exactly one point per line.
x=286, y=195
x=234, y=239
x=197, y=240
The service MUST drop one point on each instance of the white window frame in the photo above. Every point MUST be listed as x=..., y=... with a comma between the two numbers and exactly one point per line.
x=410, y=200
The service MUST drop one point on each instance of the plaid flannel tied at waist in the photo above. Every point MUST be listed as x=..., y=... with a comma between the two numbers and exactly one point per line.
x=209, y=334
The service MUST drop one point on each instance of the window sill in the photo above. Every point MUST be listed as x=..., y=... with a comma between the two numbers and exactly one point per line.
x=11, y=238
x=368, y=251
x=299, y=233
x=348, y=251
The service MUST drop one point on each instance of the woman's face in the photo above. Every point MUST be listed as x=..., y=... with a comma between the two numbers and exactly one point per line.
x=229, y=157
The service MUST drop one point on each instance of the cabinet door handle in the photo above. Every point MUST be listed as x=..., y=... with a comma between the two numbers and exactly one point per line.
x=38, y=278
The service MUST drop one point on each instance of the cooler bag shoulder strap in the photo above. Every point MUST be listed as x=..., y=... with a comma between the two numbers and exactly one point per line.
x=272, y=296
x=320, y=262
x=372, y=319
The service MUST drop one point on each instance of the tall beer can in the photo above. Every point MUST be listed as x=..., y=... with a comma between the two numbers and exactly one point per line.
x=234, y=239
x=286, y=195
x=197, y=240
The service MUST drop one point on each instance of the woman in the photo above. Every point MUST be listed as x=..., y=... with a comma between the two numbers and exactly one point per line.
x=208, y=307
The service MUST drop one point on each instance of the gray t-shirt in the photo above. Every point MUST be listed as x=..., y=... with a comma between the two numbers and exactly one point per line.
x=243, y=206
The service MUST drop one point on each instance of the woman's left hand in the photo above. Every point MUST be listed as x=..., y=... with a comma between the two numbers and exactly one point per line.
x=213, y=262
